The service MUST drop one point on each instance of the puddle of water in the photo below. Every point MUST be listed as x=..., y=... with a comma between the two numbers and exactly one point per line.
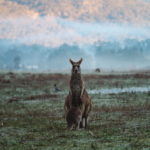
x=119, y=90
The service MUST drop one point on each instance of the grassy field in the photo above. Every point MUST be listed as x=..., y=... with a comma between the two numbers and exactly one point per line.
x=32, y=114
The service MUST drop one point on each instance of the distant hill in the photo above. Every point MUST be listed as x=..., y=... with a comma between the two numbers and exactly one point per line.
x=54, y=22
x=12, y=9
x=122, y=11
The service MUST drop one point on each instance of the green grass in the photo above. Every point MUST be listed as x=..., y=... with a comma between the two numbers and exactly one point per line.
x=32, y=114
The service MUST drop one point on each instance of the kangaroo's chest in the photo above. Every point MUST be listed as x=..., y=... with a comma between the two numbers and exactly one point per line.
x=76, y=88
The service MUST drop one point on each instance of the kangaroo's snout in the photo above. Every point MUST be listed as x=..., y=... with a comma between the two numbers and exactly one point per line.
x=76, y=69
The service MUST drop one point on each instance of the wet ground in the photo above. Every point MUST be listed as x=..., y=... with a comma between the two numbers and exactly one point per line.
x=32, y=113
x=119, y=90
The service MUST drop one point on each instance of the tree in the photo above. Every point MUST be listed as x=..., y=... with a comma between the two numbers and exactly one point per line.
x=17, y=60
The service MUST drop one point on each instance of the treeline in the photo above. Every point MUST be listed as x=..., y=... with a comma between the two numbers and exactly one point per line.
x=130, y=52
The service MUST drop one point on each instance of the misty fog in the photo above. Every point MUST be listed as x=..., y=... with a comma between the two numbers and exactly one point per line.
x=52, y=31
x=47, y=43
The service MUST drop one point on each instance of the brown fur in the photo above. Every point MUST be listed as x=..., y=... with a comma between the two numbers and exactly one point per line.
x=97, y=70
x=78, y=96
x=73, y=117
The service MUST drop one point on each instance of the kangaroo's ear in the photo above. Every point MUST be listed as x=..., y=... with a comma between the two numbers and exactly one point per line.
x=80, y=61
x=72, y=62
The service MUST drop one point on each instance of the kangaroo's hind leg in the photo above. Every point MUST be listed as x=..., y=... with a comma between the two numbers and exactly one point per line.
x=78, y=123
x=86, y=122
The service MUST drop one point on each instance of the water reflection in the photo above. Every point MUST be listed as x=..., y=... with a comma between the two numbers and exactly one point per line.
x=119, y=90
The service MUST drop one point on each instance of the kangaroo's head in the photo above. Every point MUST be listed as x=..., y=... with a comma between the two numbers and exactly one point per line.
x=76, y=66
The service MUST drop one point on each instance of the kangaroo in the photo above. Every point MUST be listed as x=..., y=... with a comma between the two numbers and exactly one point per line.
x=73, y=117
x=78, y=97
